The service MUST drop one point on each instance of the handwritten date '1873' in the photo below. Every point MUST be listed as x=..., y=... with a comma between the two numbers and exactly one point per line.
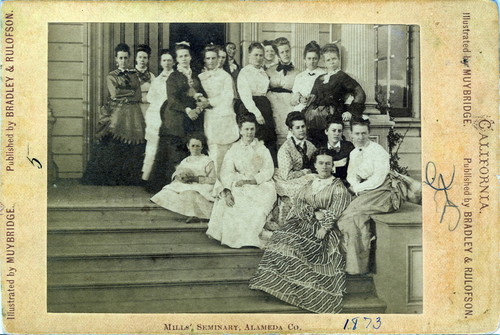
x=436, y=181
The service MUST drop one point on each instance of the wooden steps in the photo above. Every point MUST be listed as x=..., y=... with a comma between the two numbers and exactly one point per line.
x=148, y=260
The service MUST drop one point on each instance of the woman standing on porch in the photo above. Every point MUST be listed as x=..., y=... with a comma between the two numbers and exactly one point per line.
x=181, y=117
x=157, y=96
x=329, y=93
x=142, y=55
x=281, y=80
x=117, y=157
x=220, y=125
x=253, y=83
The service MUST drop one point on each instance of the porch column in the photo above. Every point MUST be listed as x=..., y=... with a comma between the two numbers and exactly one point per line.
x=234, y=35
x=358, y=55
x=249, y=34
x=358, y=60
x=301, y=35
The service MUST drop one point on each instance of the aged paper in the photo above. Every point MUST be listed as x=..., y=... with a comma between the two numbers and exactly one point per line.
x=439, y=269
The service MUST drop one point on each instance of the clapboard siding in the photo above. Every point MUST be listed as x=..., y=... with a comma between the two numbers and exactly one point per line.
x=69, y=163
x=67, y=145
x=69, y=52
x=68, y=126
x=67, y=93
x=66, y=89
x=67, y=107
x=65, y=70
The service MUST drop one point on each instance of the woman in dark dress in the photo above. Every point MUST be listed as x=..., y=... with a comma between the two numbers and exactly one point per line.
x=181, y=115
x=303, y=264
x=253, y=84
x=329, y=95
x=117, y=156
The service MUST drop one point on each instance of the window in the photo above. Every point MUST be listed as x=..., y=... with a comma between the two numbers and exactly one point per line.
x=393, y=69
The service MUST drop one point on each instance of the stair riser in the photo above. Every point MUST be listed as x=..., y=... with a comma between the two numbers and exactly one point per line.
x=126, y=238
x=153, y=264
x=145, y=294
x=71, y=216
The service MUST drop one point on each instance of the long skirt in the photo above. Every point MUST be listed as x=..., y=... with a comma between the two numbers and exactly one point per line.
x=186, y=199
x=241, y=225
x=302, y=270
x=355, y=227
x=267, y=131
x=281, y=105
x=113, y=162
x=171, y=151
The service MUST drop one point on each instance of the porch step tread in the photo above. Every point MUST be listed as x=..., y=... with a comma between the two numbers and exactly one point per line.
x=210, y=248
x=358, y=302
x=168, y=277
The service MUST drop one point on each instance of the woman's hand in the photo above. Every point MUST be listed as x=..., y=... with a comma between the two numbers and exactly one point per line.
x=228, y=197
x=320, y=233
x=346, y=116
x=193, y=113
x=260, y=120
x=203, y=103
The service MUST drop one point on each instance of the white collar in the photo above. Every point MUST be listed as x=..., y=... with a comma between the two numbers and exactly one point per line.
x=299, y=142
x=335, y=146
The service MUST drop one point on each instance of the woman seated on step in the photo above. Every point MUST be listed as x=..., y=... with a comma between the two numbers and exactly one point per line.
x=294, y=164
x=246, y=191
x=303, y=264
x=190, y=192
x=377, y=190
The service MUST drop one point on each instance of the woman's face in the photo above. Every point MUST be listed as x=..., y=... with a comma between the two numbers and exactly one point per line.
x=194, y=147
x=247, y=131
x=332, y=61
x=311, y=59
x=284, y=53
x=142, y=59
x=299, y=129
x=211, y=60
x=324, y=165
x=334, y=133
x=122, y=59
x=360, y=135
x=167, y=62
x=222, y=58
x=231, y=50
x=269, y=53
x=256, y=57
x=183, y=57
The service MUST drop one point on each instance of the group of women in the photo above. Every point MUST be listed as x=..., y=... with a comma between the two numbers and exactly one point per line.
x=307, y=207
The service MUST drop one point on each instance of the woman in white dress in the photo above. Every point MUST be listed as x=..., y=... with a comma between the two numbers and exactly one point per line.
x=190, y=192
x=281, y=80
x=304, y=81
x=220, y=125
x=142, y=55
x=247, y=193
x=157, y=95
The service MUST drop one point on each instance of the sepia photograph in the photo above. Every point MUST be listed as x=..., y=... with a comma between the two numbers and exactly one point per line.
x=234, y=168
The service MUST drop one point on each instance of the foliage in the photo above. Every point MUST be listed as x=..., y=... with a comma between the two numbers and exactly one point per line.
x=394, y=138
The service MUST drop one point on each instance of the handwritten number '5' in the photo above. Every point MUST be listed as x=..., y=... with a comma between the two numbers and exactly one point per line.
x=34, y=161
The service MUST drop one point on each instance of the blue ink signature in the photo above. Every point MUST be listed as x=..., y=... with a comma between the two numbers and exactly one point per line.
x=431, y=176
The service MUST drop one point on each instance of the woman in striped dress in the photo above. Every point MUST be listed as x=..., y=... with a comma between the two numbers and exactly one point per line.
x=302, y=264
